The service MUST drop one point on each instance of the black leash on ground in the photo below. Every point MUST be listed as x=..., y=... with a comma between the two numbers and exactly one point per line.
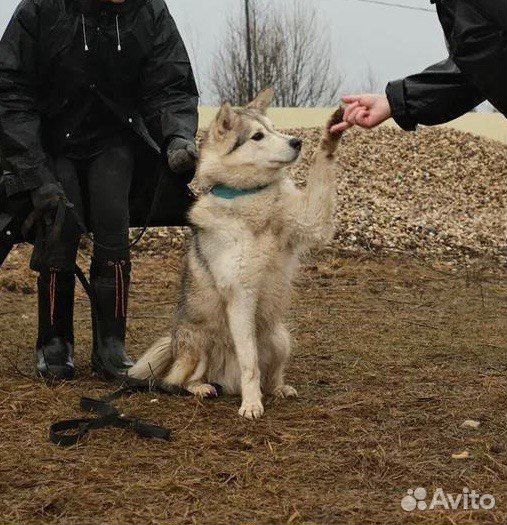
x=68, y=432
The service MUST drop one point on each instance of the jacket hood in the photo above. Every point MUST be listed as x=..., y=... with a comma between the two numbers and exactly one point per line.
x=93, y=6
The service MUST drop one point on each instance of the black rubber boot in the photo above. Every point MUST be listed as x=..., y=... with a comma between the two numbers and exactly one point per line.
x=55, y=342
x=110, y=284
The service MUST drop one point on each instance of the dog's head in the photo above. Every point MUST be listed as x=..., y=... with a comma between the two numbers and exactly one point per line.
x=243, y=149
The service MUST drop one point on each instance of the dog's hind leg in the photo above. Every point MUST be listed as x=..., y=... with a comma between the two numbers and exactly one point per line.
x=190, y=364
x=277, y=345
x=195, y=383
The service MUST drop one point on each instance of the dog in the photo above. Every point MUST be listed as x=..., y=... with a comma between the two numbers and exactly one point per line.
x=250, y=225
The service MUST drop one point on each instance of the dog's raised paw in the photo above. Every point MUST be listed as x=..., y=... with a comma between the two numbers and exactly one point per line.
x=251, y=409
x=330, y=140
x=285, y=391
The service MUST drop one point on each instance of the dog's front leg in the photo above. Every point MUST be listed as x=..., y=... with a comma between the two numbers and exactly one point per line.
x=241, y=317
x=313, y=211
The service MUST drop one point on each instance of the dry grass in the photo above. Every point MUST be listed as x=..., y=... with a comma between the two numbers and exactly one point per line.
x=392, y=356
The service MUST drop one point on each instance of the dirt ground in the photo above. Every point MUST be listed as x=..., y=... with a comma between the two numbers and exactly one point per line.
x=391, y=356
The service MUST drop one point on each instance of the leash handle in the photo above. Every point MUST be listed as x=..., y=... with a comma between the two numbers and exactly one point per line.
x=59, y=433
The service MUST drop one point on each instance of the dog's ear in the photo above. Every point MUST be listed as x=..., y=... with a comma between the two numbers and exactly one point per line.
x=224, y=121
x=263, y=100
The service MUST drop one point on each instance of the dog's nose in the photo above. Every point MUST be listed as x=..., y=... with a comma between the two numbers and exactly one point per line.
x=297, y=144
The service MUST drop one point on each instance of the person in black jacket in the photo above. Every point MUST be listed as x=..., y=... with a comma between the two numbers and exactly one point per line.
x=88, y=89
x=476, y=70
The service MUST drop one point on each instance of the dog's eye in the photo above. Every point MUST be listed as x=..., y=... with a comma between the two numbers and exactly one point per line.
x=258, y=136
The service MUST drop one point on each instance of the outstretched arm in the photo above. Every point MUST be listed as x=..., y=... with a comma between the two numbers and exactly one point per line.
x=439, y=94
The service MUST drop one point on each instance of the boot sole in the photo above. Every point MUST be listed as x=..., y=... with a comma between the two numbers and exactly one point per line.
x=57, y=373
x=99, y=369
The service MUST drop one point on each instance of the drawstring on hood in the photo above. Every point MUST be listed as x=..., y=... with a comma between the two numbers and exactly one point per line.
x=86, y=48
x=118, y=33
x=85, y=38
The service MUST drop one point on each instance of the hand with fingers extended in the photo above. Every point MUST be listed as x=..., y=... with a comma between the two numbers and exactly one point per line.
x=367, y=111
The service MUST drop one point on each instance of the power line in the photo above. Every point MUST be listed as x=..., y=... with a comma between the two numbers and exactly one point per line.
x=401, y=6
x=249, y=51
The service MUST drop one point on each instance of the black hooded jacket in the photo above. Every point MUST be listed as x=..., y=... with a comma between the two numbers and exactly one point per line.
x=60, y=58
x=476, y=70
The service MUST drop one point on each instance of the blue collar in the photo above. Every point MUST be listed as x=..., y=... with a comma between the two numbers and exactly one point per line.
x=228, y=192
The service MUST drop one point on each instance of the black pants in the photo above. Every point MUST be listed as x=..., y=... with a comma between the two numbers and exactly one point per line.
x=99, y=189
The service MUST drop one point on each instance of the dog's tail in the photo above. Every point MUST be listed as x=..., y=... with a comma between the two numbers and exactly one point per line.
x=154, y=362
x=330, y=140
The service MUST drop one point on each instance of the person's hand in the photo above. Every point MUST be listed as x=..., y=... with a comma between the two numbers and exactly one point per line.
x=46, y=197
x=367, y=111
x=182, y=155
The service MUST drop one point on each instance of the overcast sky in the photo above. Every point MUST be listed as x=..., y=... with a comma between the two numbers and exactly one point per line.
x=393, y=42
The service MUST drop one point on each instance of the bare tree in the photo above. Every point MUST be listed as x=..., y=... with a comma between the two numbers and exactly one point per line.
x=370, y=83
x=291, y=52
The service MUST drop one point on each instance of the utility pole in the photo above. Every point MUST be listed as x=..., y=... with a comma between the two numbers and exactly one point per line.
x=249, y=51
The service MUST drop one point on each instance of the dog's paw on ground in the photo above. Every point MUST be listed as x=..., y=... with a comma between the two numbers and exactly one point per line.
x=285, y=391
x=251, y=409
x=204, y=391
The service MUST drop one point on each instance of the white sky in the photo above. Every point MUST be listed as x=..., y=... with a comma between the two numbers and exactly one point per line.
x=394, y=42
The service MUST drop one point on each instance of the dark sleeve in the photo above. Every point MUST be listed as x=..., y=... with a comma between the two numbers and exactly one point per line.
x=439, y=94
x=495, y=10
x=20, y=121
x=169, y=96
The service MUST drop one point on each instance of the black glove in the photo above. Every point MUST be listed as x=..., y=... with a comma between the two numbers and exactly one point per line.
x=182, y=155
x=45, y=200
x=46, y=197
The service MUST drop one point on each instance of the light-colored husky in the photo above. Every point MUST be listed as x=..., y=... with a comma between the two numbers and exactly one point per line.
x=248, y=233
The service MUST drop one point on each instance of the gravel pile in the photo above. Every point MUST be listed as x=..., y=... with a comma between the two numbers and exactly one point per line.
x=437, y=194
